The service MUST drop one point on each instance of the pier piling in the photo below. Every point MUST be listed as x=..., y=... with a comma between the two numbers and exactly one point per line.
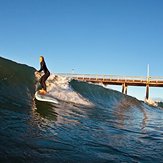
x=147, y=91
x=124, y=88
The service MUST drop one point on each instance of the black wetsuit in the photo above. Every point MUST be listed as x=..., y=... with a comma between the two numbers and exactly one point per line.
x=45, y=76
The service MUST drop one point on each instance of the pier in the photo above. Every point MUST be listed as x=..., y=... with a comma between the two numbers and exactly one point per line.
x=124, y=81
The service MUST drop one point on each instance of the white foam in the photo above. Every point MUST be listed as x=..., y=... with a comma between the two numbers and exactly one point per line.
x=151, y=102
x=59, y=88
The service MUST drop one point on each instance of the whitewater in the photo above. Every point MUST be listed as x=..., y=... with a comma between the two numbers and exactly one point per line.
x=90, y=124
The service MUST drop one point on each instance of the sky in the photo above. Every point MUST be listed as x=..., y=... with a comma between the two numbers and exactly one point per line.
x=114, y=37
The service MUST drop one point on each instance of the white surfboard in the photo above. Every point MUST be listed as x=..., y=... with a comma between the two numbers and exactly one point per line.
x=46, y=98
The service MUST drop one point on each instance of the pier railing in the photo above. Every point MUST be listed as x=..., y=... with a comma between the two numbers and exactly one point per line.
x=117, y=77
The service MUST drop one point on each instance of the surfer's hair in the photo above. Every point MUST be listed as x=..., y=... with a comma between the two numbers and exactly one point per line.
x=42, y=58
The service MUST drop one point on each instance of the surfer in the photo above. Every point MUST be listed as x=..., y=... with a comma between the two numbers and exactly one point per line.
x=44, y=77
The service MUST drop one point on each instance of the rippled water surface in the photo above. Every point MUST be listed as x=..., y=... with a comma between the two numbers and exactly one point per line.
x=90, y=123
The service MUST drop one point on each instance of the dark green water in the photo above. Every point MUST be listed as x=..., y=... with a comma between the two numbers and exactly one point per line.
x=116, y=128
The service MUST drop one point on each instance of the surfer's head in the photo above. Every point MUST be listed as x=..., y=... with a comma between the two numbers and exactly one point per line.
x=41, y=58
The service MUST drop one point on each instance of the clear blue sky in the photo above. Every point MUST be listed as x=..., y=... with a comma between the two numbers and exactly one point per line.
x=118, y=37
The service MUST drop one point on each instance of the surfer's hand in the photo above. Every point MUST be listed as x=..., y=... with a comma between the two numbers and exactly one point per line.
x=37, y=74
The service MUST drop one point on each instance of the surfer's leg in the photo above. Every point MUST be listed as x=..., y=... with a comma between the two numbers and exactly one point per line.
x=44, y=78
x=43, y=85
x=41, y=82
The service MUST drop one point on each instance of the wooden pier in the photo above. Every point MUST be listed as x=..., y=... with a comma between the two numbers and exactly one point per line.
x=124, y=81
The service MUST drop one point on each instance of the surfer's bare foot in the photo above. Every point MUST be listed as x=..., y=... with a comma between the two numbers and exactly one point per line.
x=42, y=91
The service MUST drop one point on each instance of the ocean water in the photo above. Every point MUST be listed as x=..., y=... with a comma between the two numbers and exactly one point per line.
x=90, y=123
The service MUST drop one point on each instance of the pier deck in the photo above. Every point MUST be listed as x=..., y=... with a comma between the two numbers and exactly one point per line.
x=125, y=81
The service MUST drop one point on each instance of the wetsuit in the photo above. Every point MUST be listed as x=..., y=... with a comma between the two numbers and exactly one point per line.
x=45, y=76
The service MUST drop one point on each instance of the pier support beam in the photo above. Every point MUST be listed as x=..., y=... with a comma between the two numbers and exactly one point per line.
x=147, y=92
x=124, y=88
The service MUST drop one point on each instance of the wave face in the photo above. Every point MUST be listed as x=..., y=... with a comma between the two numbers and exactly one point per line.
x=90, y=123
x=16, y=84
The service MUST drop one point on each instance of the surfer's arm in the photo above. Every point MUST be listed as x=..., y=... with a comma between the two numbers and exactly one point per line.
x=41, y=67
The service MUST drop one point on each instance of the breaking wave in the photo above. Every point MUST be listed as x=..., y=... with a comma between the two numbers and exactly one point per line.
x=91, y=123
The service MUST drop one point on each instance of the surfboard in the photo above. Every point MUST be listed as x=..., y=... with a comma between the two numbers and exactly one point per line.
x=45, y=98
